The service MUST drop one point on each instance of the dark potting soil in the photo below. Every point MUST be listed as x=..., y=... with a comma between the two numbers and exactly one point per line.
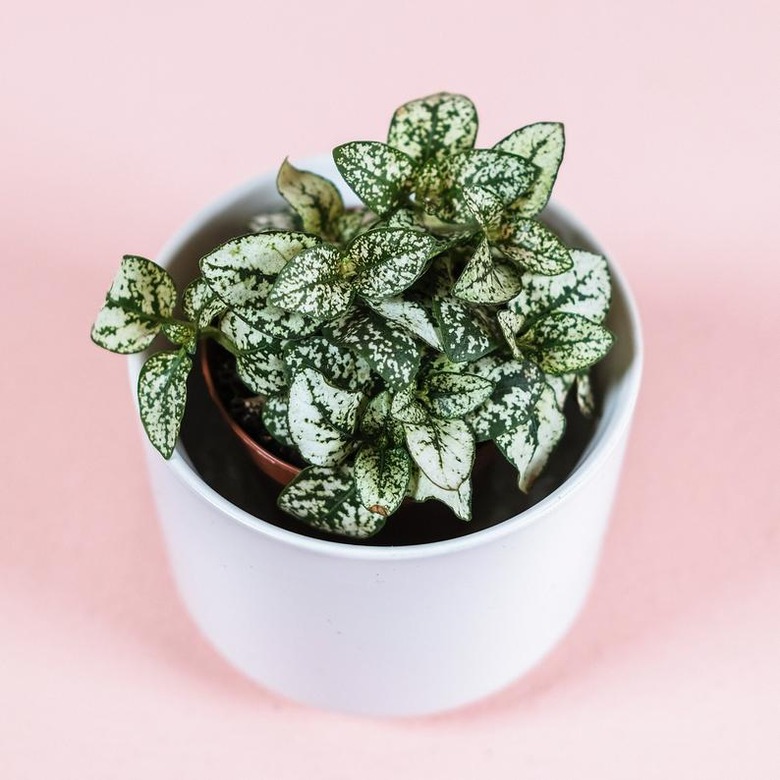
x=221, y=461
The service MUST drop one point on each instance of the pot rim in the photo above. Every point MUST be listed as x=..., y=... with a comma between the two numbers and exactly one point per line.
x=609, y=429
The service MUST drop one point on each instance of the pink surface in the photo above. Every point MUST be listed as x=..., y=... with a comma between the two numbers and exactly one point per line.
x=118, y=122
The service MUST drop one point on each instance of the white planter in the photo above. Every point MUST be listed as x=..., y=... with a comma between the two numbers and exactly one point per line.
x=389, y=630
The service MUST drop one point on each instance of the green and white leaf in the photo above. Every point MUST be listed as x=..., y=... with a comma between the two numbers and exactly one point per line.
x=182, y=334
x=378, y=423
x=313, y=284
x=451, y=395
x=315, y=199
x=542, y=144
x=406, y=407
x=275, y=220
x=388, y=260
x=486, y=280
x=443, y=449
x=465, y=331
x=458, y=500
x=410, y=311
x=510, y=324
x=434, y=127
x=529, y=447
x=516, y=387
x=142, y=296
x=326, y=498
x=389, y=349
x=261, y=370
x=201, y=304
x=536, y=248
x=585, y=290
x=382, y=475
x=561, y=385
x=275, y=410
x=377, y=173
x=484, y=205
x=245, y=334
x=241, y=271
x=353, y=222
x=339, y=366
x=585, y=398
x=322, y=418
x=162, y=395
x=563, y=342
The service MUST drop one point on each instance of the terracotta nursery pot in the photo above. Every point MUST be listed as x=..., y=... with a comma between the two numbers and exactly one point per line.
x=390, y=630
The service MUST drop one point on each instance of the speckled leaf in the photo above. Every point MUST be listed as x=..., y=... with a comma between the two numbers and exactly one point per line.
x=312, y=283
x=486, y=279
x=275, y=220
x=241, y=271
x=322, y=418
x=315, y=199
x=201, y=304
x=182, y=334
x=458, y=500
x=261, y=370
x=407, y=408
x=388, y=260
x=326, y=498
x=464, y=330
x=377, y=173
x=585, y=399
x=245, y=335
x=563, y=342
x=353, y=222
x=542, y=144
x=537, y=249
x=389, y=349
x=443, y=449
x=275, y=418
x=484, y=205
x=439, y=186
x=561, y=384
x=142, y=296
x=162, y=395
x=584, y=290
x=451, y=394
x=434, y=127
x=517, y=384
x=510, y=324
x=529, y=447
x=378, y=423
x=382, y=475
x=339, y=366
x=411, y=310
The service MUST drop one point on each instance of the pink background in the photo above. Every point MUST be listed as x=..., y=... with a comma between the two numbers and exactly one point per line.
x=118, y=121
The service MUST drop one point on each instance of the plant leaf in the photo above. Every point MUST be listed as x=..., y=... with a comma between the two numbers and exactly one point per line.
x=434, y=127
x=382, y=475
x=378, y=424
x=276, y=220
x=484, y=204
x=322, y=418
x=162, y=395
x=531, y=244
x=407, y=408
x=390, y=350
x=409, y=310
x=529, y=447
x=142, y=296
x=542, y=144
x=465, y=331
x=377, y=173
x=312, y=283
x=443, y=449
x=353, y=222
x=517, y=385
x=388, y=260
x=484, y=280
x=585, y=399
x=241, y=271
x=458, y=500
x=584, y=290
x=339, y=366
x=563, y=342
x=452, y=395
x=326, y=498
x=315, y=199
x=274, y=415
x=201, y=304
x=182, y=334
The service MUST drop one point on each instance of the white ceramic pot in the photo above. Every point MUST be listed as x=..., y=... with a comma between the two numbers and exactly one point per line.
x=389, y=630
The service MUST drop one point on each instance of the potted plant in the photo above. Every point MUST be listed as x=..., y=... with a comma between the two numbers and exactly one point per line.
x=385, y=346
